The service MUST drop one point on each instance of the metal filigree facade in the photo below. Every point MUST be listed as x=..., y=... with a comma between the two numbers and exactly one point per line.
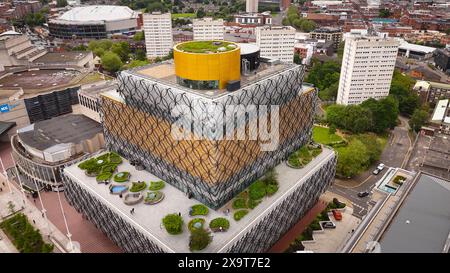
x=212, y=169
x=258, y=237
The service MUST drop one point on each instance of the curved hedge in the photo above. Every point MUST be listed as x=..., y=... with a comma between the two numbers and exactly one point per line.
x=156, y=185
x=238, y=215
x=138, y=186
x=198, y=209
x=104, y=176
x=218, y=223
x=173, y=223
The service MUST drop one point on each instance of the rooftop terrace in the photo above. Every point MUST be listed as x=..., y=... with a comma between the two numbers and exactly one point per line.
x=206, y=47
x=147, y=218
x=164, y=73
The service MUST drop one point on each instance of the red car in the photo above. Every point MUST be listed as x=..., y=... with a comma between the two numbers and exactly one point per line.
x=337, y=215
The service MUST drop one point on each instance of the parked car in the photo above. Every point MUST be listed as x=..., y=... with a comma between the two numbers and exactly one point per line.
x=337, y=215
x=363, y=194
x=379, y=168
x=328, y=224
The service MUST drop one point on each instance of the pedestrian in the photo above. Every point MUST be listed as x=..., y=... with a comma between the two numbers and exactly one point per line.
x=34, y=222
x=179, y=214
x=1, y=189
x=353, y=230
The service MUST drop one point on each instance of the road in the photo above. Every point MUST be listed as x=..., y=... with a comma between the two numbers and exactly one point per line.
x=394, y=155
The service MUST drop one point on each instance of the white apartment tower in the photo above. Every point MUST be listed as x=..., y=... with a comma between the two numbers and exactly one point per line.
x=276, y=42
x=158, y=34
x=367, y=67
x=207, y=29
x=251, y=6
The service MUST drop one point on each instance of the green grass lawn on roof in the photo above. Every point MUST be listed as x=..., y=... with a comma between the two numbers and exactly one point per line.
x=204, y=46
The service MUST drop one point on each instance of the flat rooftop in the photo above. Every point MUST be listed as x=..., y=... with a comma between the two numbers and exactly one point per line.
x=206, y=47
x=62, y=57
x=95, y=89
x=164, y=73
x=37, y=80
x=422, y=224
x=148, y=218
x=59, y=130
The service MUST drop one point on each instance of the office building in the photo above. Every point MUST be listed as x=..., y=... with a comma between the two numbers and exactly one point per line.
x=158, y=34
x=276, y=42
x=329, y=34
x=367, y=67
x=207, y=29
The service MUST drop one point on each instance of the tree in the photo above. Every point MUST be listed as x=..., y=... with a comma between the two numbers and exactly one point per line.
x=173, y=223
x=111, y=62
x=200, y=13
x=199, y=239
x=140, y=55
x=384, y=113
x=139, y=36
x=156, y=6
x=353, y=159
x=323, y=75
x=307, y=25
x=297, y=58
x=418, y=119
x=61, y=3
x=122, y=49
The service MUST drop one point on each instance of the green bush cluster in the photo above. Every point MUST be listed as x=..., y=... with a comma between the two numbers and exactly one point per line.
x=153, y=197
x=195, y=220
x=203, y=46
x=156, y=185
x=104, y=164
x=198, y=209
x=238, y=215
x=303, y=156
x=138, y=186
x=24, y=236
x=219, y=222
x=336, y=204
x=173, y=223
x=239, y=203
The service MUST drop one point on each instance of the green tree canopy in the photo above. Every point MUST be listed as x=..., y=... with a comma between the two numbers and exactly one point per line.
x=61, y=3
x=418, y=119
x=111, y=62
x=122, y=49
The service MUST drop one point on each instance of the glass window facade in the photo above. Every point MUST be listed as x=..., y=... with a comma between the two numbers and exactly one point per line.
x=201, y=85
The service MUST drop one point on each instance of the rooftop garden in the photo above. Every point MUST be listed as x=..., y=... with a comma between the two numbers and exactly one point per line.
x=156, y=185
x=303, y=156
x=251, y=197
x=206, y=46
x=102, y=166
x=122, y=177
x=24, y=236
x=219, y=224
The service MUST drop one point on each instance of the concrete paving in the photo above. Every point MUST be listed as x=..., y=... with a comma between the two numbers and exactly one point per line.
x=332, y=240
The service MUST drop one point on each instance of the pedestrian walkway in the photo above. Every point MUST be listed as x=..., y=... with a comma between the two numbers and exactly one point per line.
x=49, y=232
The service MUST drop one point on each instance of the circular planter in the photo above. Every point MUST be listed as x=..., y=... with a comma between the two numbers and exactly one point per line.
x=138, y=186
x=122, y=177
x=196, y=223
x=154, y=197
x=132, y=198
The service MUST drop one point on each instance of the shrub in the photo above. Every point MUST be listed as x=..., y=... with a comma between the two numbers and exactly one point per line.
x=153, y=197
x=238, y=215
x=253, y=203
x=257, y=190
x=199, y=239
x=399, y=180
x=156, y=185
x=239, y=204
x=109, y=168
x=104, y=176
x=198, y=209
x=173, y=223
x=219, y=222
x=271, y=189
x=138, y=186
x=122, y=177
x=196, y=220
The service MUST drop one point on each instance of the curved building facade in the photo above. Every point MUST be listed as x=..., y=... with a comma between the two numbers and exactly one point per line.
x=94, y=22
x=206, y=64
